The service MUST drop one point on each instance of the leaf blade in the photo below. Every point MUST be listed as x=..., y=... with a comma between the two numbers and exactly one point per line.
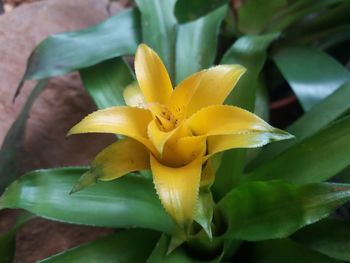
x=66, y=52
x=314, y=159
x=105, y=82
x=322, y=77
x=10, y=149
x=45, y=193
x=267, y=210
x=159, y=29
x=329, y=237
x=197, y=43
x=133, y=245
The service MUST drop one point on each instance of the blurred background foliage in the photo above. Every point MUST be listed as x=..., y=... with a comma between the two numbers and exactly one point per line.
x=297, y=56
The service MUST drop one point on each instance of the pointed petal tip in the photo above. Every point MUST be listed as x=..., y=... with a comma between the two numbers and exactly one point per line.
x=87, y=179
x=282, y=135
x=70, y=132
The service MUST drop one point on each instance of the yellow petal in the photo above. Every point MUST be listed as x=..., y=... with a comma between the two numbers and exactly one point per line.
x=181, y=151
x=221, y=143
x=163, y=117
x=225, y=120
x=215, y=85
x=208, y=174
x=152, y=75
x=131, y=122
x=133, y=96
x=114, y=161
x=183, y=93
x=178, y=188
x=120, y=158
x=159, y=138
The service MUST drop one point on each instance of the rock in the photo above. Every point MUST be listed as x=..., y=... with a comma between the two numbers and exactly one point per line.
x=64, y=102
x=37, y=244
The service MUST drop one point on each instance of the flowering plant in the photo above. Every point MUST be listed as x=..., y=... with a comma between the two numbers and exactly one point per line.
x=182, y=183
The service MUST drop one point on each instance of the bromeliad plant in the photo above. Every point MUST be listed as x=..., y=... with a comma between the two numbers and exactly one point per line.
x=174, y=132
x=186, y=193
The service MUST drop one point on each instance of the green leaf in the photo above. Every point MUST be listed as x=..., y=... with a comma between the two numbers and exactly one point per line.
x=159, y=29
x=197, y=43
x=330, y=237
x=160, y=253
x=62, y=53
x=179, y=255
x=190, y=10
x=298, y=10
x=10, y=161
x=320, y=25
x=133, y=245
x=267, y=210
x=106, y=81
x=285, y=251
x=249, y=51
x=313, y=75
x=8, y=240
x=254, y=16
x=204, y=211
x=7, y=246
x=107, y=204
x=334, y=106
x=314, y=159
x=160, y=250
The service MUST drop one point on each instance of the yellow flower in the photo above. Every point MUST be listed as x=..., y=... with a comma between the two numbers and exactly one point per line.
x=174, y=132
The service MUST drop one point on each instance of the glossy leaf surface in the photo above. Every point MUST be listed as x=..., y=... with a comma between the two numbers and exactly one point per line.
x=330, y=237
x=197, y=43
x=249, y=51
x=66, y=52
x=132, y=245
x=334, y=106
x=190, y=10
x=108, y=204
x=254, y=16
x=313, y=75
x=106, y=81
x=159, y=29
x=315, y=159
x=267, y=210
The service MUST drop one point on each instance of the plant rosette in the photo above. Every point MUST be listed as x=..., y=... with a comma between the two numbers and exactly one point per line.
x=175, y=133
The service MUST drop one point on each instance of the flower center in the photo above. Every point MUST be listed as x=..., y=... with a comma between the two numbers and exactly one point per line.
x=164, y=118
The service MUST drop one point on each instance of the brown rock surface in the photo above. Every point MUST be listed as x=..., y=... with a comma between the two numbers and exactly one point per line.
x=63, y=103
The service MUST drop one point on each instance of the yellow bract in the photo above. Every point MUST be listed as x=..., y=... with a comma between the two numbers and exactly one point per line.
x=175, y=131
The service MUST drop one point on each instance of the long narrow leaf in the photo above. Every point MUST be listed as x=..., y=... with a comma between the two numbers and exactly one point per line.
x=159, y=29
x=197, y=43
x=125, y=246
x=268, y=210
x=109, y=204
x=254, y=16
x=330, y=237
x=106, y=81
x=334, y=106
x=8, y=239
x=313, y=75
x=315, y=159
x=10, y=165
x=190, y=10
x=66, y=52
x=249, y=51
